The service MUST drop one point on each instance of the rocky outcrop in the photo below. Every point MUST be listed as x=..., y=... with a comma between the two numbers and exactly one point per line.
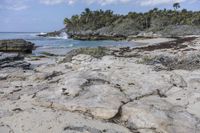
x=50, y=34
x=53, y=34
x=98, y=52
x=16, y=45
x=97, y=37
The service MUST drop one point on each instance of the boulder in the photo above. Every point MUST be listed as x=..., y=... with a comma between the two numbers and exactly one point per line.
x=16, y=45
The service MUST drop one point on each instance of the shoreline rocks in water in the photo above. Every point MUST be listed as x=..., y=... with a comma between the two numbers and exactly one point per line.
x=16, y=45
x=50, y=34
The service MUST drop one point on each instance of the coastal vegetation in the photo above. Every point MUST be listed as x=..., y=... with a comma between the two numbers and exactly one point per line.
x=158, y=21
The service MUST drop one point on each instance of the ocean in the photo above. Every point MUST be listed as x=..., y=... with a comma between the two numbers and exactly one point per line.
x=59, y=45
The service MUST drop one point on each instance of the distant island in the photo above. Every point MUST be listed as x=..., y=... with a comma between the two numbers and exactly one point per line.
x=105, y=25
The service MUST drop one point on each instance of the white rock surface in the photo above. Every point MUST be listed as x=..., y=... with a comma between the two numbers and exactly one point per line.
x=111, y=95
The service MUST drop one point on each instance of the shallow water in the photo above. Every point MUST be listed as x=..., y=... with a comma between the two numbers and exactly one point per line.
x=59, y=45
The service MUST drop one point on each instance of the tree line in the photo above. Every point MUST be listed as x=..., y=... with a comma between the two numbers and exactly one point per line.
x=155, y=19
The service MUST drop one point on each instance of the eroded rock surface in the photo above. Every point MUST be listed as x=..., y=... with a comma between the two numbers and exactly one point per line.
x=124, y=91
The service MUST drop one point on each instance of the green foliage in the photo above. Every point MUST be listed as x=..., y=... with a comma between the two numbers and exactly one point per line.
x=154, y=20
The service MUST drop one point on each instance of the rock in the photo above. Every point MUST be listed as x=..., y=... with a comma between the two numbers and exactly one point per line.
x=5, y=129
x=46, y=76
x=179, y=30
x=3, y=76
x=21, y=64
x=94, y=52
x=16, y=45
x=54, y=34
x=178, y=81
x=98, y=37
x=5, y=113
x=50, y=34
x=38, y=120
x=13, y=60
x=158, y=115
x=96, y=99
x=104, y=90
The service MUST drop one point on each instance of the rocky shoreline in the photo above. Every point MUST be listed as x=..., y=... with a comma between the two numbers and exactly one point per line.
x=149, y=89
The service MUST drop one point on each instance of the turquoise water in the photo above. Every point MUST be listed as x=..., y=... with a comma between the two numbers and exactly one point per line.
x=59, y=45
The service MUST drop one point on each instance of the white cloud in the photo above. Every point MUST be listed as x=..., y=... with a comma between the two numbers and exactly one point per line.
x=107, y=2
x=70, y=2
x=16, y=5
x=51, y=2
x=157, y=2
x=54, y=2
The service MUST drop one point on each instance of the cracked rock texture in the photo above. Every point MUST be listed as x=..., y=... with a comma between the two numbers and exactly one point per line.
x=111, y=94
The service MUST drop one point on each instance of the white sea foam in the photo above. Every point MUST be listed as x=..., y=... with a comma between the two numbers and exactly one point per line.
x=42, y=33
x=64, y=35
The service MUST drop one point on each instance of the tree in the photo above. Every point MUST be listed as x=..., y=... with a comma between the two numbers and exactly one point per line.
x=87, y=10
x=67, y=21
x=101, y=21
x=176, y=6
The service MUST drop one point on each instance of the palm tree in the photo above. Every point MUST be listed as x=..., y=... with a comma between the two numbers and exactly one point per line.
x=176, y=5
x=67, y=21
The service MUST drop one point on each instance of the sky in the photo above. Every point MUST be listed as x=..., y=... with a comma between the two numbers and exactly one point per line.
x=48, y=15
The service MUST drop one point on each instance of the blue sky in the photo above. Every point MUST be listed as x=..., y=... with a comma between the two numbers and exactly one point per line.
x=48, y=15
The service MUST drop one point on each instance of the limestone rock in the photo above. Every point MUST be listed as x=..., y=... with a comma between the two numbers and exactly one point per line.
x=159, y=115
